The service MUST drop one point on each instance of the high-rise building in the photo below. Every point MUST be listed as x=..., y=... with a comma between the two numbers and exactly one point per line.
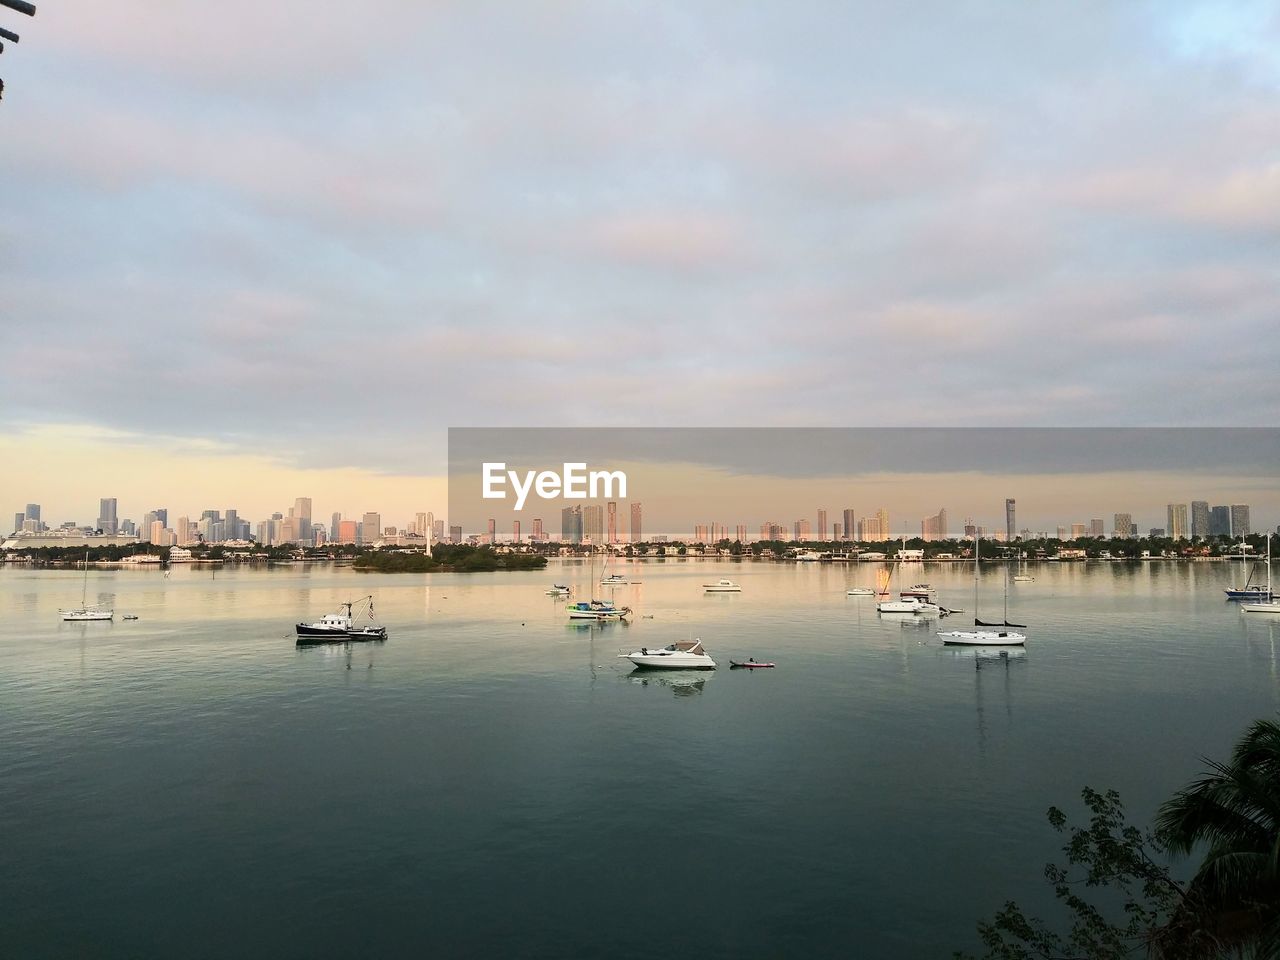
x=1124, y=526
x=33, y=512
x=302, y=514
x=18, y=520
x=699, y=533
x=1199, y=518
x=1240, y=520
x=1220, y=521
x=1177, y=516
x=491, y=534
x=455, y=533
x=571, y=524
x=873, y=529
x=421, y=526
x=822, y=525
x=107, y=521
x=1077, y=531
x=636, y=528
x=335, y=528
x=740, y=534
x=515, y=531
x=883, y=516
x=849, y=525
x=613, y=521
x=537, y=529
x=1096, y=528
x=157, y=533
x=1063, y=533
x=935, y=527
x=437, y=531
x=348, y=531
x=802, y=532
x=182, y=532
x=371, y=527
x=1010, y=518
x=593, y=522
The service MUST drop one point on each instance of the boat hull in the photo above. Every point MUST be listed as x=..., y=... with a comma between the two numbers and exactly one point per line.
x=1258, y=596
x=671, y=661
x=1264, y=607
x=84, y=616
x=982, y=638
x=736, y=664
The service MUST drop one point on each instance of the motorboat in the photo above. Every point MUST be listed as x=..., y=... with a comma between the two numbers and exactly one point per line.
x=615, y=580
x=558, y=590
x=85, y=612
x=343, y=625
x=920, y=590
x=860, y=592
x=808, y=556
x=1022, y=578
x=597, y=610
x=722, y=586
x=908, y=605
x=983, y=638
x=681, y=655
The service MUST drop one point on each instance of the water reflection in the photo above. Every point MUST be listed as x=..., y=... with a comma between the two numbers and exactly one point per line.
x=682, y=683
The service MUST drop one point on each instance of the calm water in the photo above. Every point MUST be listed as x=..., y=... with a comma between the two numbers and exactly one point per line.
x=492, y=782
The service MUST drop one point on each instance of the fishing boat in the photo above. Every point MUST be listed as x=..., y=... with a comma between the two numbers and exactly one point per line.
x=1000, y=637
x=597, y=610
x=85, y=612
x=1264, y=606
x=752, y=664
x=722, y=586
x=343, y=625
x=681, y=655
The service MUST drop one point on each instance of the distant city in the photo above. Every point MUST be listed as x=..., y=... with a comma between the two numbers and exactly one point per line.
x=590, y=524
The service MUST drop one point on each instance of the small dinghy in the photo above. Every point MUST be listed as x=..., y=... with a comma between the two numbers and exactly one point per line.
x=751, y=664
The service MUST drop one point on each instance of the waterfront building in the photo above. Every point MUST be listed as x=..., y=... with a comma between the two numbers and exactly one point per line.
x=515, y=531
x=1199, y=519
x=347, y=531
x=849, y=523
x=1240, y=520
x=537, y=530
x=822, y=524
x=883, y=516
x=1010, y=518
x=700, y=533
x=1124, y=526
x=1220, y=521
x=613, y=521
x=1063, y=533
x=740, y=534
x=107, y=521
x=370, y=527
x=636, y=528
x=593, y=522
x=873, y=529
x=491, y=533
x=1095, y=528
x=802, y=532
x=1077, y=531
x=182, y=531
x=1177, y=517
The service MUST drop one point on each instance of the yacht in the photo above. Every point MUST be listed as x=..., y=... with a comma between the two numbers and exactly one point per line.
x=983, y=638
x=558, y=590
x=84, y=611
x=722, y=586
x=681, y=655
x=615, y=580
x=907, y=605
x=920, y=590
x=859, y=592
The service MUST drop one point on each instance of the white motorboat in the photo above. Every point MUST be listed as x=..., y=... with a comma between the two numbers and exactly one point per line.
x=722, y=586
x=908, y=605
x=615, y=580
x=860, y=592
x=1022, y=578
x=597, y=610
x=681, y=655
x=558, y=590
x=86, y=612
x=1267, y=603
x=921, y=590
x=983, y=638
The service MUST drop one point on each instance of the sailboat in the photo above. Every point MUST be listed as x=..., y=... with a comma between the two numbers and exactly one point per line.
x=1270, y=605
x=986, y=638
x=1249, y=591
x=86, y=612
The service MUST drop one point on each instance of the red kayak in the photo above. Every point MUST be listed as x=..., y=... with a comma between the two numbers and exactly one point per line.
x=750, y=664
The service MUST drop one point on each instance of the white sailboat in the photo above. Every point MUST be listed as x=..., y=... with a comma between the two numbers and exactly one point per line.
x=86, y=612
x=986, y=638
x=1264, y=606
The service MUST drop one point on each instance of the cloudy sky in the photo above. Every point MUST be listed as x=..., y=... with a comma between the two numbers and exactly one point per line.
x=248, y=248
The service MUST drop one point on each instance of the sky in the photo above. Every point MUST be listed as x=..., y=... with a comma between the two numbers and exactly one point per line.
x=269, y=251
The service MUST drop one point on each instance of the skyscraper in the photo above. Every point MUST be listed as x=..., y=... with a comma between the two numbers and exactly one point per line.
x=1096, y=528
x=593, y=522
x=18, y=519
x=850, y=524
x=1010, y=519
x=935, y=527
x=1240, y=520
x=1177, y=527
x=571, y=524
x=1199, y=518
x=1220, y=521
x=636, y=528
x=883, y=516
x=740, y=534
x=33, y=512
x=1124, y=526
x=515, y=531
x=371, y=527
x=491, y=534
x=802, y=531
x=613, y=521
x=335, y=522
x=107, y=521
x=1077, y=531
x=822, y=525
x=302, y=513
x=537, y=529
x=455, y=533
